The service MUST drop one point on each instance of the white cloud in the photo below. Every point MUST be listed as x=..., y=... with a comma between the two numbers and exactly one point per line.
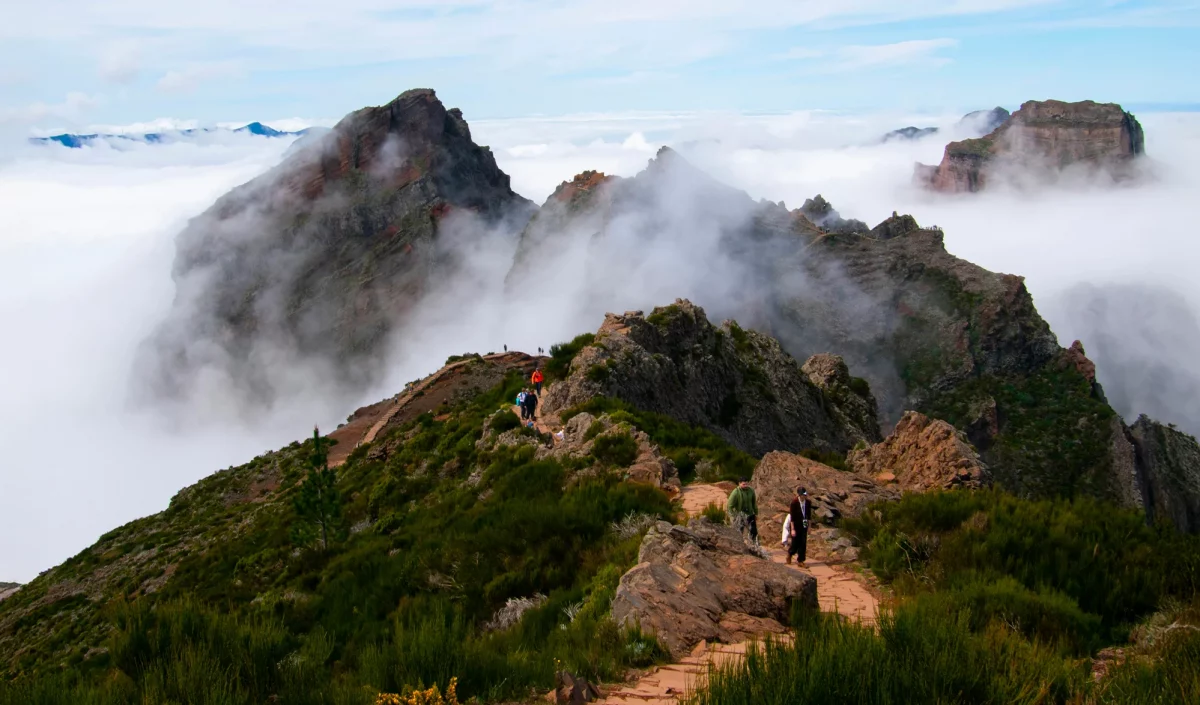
x=70, y=108
x=188, y=79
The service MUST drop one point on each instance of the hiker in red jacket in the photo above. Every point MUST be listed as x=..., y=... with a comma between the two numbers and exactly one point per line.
x=537, y=380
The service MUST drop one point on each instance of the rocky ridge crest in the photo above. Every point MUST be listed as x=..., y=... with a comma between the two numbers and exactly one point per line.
x=737, y=383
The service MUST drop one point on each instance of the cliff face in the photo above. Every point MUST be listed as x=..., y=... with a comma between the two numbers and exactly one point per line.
x=1169, y=466
x=324, y=256
x=1040, y=139
x=737, y=383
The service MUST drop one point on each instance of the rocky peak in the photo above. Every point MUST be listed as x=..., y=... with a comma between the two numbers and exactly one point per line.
x=1038, y=140
x=736, y=382
x=1077, y=358
x=324, y=256
x=822, y=214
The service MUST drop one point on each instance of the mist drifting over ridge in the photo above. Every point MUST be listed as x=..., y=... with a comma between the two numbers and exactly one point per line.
x=1058, y=239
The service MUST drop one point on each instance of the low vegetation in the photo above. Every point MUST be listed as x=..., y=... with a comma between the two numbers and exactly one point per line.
x=389, y=592
x=696, y=452
x=561, y=355
x=998, y=600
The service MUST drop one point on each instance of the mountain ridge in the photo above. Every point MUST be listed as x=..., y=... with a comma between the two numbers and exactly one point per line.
x=78, y=141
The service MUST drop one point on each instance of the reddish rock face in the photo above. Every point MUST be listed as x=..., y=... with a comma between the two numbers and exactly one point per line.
x=922, y=454
x=581, y=185
x=703, y=583
x=1042, y=137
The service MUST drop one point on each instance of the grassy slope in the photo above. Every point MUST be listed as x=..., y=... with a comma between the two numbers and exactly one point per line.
x=438, y=534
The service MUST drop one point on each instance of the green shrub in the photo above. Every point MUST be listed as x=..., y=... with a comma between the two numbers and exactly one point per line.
x=1105, y=559
x=829, y=457
x=715, y=513
x=685, y=445
x=505, y=421
x=465, y=356
x=561, y=355
x=617, y=450
x=594, y=429
x=860, y=386
x=921, y=654
x=598, y=373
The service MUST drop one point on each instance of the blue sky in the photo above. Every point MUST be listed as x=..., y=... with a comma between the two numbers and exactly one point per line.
x=66, y=63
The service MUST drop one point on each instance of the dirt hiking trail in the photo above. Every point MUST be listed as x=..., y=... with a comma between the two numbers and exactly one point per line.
x=839, y=590
x=425, y=395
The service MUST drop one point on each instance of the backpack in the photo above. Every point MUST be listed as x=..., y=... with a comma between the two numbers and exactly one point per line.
x=521, y=399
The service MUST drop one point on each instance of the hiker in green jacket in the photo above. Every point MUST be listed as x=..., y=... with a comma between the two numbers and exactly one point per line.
x=742, y=508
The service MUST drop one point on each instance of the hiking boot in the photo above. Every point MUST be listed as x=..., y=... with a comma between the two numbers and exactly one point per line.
x=789, y=559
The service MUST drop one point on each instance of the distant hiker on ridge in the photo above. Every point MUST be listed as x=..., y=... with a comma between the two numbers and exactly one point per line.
x=742, y=508
x=799, y=513
x=506, y=347
x=537, y=380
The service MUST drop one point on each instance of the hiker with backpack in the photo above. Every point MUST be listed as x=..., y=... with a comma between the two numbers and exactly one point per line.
x=521, y=404
x=531, y=402
x=742, y=508
x=537, y=378
x=799, y=515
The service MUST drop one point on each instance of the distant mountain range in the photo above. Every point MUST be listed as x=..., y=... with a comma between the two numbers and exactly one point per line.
x=75, y=141
x=979, y=121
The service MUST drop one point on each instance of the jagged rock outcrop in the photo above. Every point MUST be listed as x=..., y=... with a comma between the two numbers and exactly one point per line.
x=895, y=226
x=738, y=383
x=833, y=493
x=703, y=583
x=323, y=257
x=822, y=214
x=922, y=454
x=1169, y=463
x=848, y=399
x=8, y=589
x=1037, y=141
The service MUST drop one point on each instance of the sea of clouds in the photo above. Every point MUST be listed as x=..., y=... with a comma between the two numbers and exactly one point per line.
x=86, y=245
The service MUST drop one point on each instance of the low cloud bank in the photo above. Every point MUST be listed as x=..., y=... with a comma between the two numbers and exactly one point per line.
x=87, y=246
